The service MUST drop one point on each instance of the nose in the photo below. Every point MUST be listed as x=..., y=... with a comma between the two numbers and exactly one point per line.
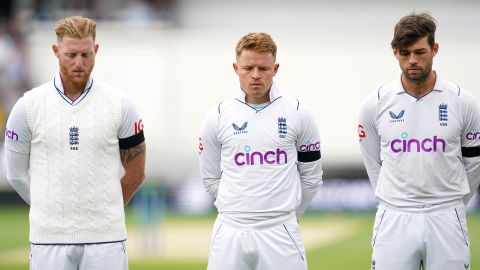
x=255, y=74
x=412, y=59
x=78, y=61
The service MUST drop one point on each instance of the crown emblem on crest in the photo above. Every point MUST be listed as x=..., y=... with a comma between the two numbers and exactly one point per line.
x=282, y=127
x=74, y=138
x=443, y=114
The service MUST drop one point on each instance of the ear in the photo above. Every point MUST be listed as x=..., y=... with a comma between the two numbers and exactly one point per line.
x=55, y=49
x=435, y=49
x=96, y=48
x=235, y=67
x=395, y=52
x=275, y=69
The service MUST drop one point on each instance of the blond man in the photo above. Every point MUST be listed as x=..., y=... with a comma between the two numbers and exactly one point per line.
x=66, y=143
x=260, y=160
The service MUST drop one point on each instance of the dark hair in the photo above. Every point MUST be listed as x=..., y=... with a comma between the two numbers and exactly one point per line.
x=412, y=28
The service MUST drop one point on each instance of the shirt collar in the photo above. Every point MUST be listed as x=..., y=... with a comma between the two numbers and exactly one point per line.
x=274, y=93
x=57, y=82
x=439, y=85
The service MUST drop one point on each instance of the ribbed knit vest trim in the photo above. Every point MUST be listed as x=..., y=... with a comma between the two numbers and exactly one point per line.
x=75, y=167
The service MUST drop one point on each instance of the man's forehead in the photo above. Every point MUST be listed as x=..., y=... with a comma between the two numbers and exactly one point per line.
x=419, y=44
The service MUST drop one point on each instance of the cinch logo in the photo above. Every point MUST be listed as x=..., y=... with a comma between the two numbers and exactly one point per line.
x=258, y=158
x=472, y=136
x=11, y=135
x=310, y=147
x=413, y=145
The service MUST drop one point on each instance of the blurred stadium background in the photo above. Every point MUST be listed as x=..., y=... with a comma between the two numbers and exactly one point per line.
x=173, y=58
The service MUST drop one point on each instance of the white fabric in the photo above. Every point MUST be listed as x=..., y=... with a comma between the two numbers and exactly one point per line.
x=412, y=148
x=235, y=135
x=79, y=257
x=73, y=198
x=17, y=148
x=238, y=247
x=17, y=120
x=17, y=173
x=438, y=240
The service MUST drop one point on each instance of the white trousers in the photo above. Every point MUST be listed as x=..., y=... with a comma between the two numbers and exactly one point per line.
x=432, y=239
x=79, y=257
x=238, y=247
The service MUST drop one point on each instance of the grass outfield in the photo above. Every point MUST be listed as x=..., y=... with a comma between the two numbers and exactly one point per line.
x=333, y=241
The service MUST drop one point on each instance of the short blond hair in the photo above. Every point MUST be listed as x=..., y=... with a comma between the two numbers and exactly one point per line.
x=257, y=42
x=76, y=27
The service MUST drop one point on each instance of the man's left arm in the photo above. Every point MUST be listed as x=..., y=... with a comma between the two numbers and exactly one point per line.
x=132, y=150
x=133, y=161
x=470, y=143
x=309, y=159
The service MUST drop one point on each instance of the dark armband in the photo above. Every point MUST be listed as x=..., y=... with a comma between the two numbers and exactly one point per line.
x=309, y=156
x=131, y=141
x=471, y=151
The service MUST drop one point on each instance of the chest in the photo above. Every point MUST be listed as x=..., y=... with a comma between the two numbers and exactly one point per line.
x=265, y=130
x=428, y=122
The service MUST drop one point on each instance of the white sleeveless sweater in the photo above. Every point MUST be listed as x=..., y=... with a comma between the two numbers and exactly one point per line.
x=75, y=167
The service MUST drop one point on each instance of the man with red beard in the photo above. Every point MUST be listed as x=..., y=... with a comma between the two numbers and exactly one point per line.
x=420, y=144
x=66, y=143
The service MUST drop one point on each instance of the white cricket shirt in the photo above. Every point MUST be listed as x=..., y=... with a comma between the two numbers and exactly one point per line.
x=260, y=164
x=412, y=148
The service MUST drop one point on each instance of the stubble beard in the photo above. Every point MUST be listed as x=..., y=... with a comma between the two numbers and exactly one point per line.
x=419, y=79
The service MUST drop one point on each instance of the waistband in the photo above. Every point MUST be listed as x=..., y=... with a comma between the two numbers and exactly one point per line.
x=427, y=208
x=264, y=224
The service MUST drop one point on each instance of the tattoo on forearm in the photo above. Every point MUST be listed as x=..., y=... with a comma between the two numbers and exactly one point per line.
x=129, y=154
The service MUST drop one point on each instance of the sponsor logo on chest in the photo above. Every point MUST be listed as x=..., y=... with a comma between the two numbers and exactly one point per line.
x=240, y=129
x=394, y=118
x=406, y=145
x=247, y=157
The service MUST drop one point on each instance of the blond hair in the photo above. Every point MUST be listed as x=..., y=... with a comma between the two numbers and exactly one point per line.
x=257, y=42
x=76, y=27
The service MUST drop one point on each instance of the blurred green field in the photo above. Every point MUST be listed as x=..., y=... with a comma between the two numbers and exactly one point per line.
x=339, y=241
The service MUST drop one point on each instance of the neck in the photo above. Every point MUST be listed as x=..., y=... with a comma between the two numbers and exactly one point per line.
x=419, y=88
x=72, y=90
x=259, y=100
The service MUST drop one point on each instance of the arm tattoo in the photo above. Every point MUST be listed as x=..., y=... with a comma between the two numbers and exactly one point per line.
x=129, y=154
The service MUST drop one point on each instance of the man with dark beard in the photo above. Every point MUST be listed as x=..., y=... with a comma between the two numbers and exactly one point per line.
x=419, y=138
